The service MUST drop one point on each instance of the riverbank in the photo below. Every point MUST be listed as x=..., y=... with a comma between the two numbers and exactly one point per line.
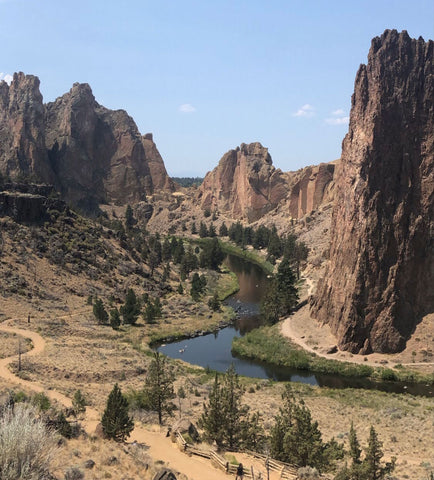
x=267, y=344
x=317, y=338
x=248, y=253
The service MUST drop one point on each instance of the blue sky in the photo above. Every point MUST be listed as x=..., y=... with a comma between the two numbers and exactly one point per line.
x=207, y=75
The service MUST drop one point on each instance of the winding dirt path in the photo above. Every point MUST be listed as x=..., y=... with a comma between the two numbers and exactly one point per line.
x=160, y=446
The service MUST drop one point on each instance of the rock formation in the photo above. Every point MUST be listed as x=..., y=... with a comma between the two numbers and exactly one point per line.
x=310, y=188
x=27, y=202
x=157, y=169
x=379, y=281
x=245, y=184
x=22, y=144
x=92, y=154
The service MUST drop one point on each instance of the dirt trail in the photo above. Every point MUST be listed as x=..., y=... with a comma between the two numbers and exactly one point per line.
x=160, y=446
x=301, y=329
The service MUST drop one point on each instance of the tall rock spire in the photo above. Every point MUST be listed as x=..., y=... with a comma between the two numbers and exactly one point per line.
x=379, y=280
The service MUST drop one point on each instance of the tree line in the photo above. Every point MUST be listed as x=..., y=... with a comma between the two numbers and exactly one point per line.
x=294, y=436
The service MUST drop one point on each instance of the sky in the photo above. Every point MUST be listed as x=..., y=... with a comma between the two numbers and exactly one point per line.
x=205, y=76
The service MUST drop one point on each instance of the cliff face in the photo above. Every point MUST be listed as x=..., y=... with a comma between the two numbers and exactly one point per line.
x=310, y=188
x=22, y=147
x=157, y=169
x=245, y=184
x=379, y=280
x=92, y=154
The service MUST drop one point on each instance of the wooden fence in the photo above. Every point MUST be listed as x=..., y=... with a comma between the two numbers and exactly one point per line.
x=285, y=470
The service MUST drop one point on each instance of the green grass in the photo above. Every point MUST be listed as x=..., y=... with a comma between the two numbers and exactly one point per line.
x=227, y=284
x=228, y=247
x=268, y=345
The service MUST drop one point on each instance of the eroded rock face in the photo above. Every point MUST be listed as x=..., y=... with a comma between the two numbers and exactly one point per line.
x=245, y=184
x=96, y=153
x=313, y=186
x=160, y=179
x=22, y=143
x=379, y=280
x=92, y=154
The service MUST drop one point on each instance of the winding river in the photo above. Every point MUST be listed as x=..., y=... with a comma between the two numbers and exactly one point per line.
x=214, y=350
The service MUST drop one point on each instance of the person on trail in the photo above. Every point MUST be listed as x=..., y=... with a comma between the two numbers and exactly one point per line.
x=240, y=472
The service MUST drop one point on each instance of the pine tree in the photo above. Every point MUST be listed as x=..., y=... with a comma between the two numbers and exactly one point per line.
x=372, y=468
x=99, y=311
x=131, y=309
x=115, y=318
x=203, y=231
x=130, y=221
x=234, y=410
x=116, y=423
x=296, y=439
x=158, y=388
x=355, y=450
x=212, y=419
x=223, y=230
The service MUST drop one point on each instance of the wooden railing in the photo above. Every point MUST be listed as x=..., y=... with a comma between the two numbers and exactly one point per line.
x=285, y=470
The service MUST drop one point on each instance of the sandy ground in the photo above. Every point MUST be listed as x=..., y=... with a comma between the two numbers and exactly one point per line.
x=160, y=446
x=314, y=337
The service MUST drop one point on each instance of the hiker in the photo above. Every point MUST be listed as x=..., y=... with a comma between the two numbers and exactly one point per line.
x=240, y=472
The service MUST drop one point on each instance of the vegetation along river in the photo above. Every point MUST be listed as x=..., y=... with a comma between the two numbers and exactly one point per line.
x=214, y=350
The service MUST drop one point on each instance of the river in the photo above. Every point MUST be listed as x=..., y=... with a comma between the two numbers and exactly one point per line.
x=214, y=350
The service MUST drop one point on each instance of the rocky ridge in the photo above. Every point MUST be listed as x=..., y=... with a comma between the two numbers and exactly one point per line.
x=375, y=290
x=246, y=186
x=90, y=153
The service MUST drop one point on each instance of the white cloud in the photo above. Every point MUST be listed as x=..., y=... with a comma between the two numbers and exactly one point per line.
x=338, y=113
x=6, y=77
x=337, y=121
x=305, y=111
x=186, y=108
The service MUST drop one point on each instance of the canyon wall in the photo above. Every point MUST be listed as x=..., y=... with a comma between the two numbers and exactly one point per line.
x=246, y=186
x=379, y=280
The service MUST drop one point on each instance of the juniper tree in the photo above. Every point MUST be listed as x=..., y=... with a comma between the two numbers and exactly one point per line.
x=223, y=230
x=116, y=423
x=131, y=308
x=115, y=318
x=99, y=311
x=158, y=388
x=78, y=402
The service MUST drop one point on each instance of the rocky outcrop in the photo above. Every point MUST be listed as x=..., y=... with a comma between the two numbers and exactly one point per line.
x=22, y=135
x=379, y=280
x=245, y=185
x=28, y=203
x=310, y=188
x=92, y=154
x=97, y=154
x=160, y=179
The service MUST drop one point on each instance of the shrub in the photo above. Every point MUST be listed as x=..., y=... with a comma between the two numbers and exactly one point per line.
x=26, y=445
x=388, y=375
x=41, y=401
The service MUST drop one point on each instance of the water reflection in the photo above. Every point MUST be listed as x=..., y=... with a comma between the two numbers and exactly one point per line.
x=214, y=350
